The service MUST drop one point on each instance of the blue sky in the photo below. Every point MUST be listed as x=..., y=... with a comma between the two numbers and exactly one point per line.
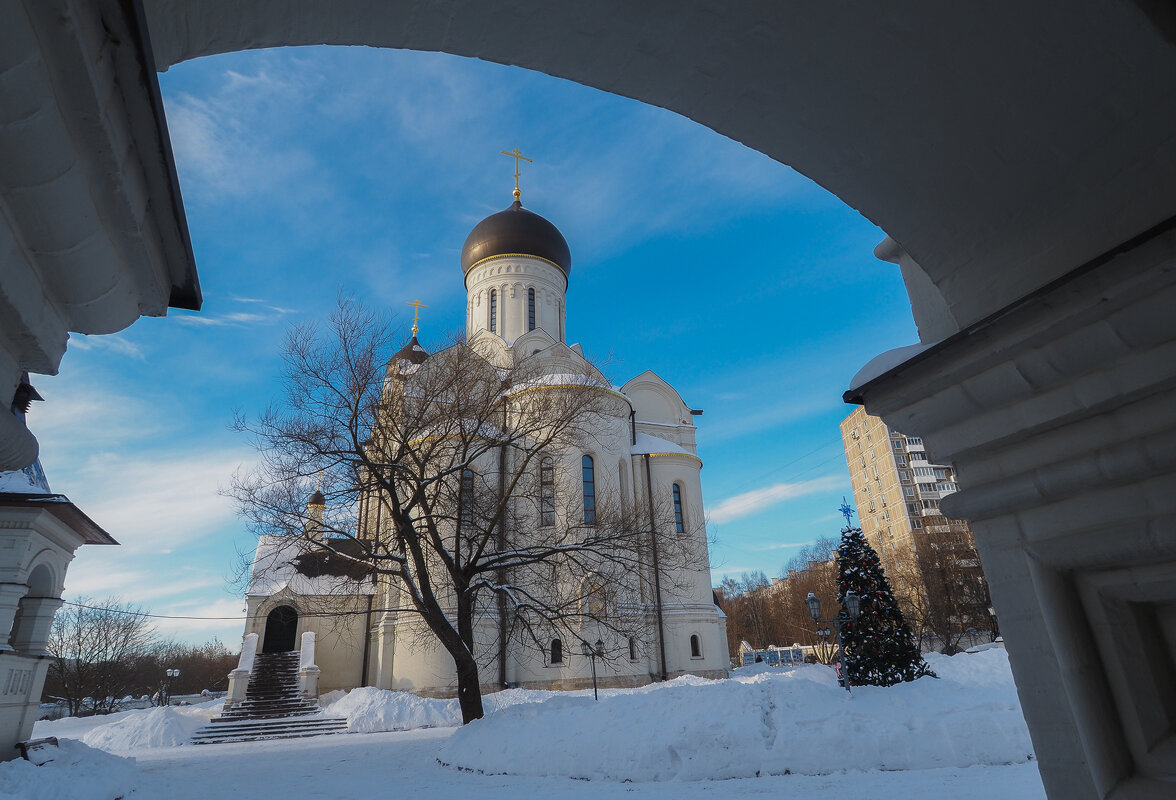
x=307, y=171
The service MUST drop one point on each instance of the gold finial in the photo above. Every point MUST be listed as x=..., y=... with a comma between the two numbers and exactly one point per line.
x=517, y=156
x=320, y=480
x=416, y=314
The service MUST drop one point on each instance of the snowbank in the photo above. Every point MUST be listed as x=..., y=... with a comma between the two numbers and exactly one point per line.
x=77, y=772
x=796, y=721
x=369, y=710
x=128, y=731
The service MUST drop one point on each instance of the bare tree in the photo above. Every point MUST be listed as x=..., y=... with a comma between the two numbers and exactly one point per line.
x=95, y=648
x=944, y=585
x=438, y=477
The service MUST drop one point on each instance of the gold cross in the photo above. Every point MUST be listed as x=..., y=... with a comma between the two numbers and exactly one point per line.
x=517, y=156
x=416, y=313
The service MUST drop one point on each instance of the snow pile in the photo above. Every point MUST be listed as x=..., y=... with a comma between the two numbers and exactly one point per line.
x=369, y=710
x=128, y=731
x=797, y=721
x=77, y=772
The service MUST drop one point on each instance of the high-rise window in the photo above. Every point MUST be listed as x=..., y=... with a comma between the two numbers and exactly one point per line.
x=589, y=491
x=494, y=311
x=547, y=492
x=530, y=309
x=679, y=525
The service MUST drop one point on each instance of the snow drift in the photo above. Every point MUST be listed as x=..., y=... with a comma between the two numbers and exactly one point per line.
x=77, y=772
x=797, y=721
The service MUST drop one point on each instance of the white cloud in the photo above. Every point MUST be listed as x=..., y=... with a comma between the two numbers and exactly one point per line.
x=112, y=342
x=160, y=501
x=741, y=505
x=780, y=545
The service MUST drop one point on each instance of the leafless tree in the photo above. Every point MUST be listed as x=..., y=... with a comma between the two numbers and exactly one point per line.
x=942, y=588
x=96, y=647
x=439, y=477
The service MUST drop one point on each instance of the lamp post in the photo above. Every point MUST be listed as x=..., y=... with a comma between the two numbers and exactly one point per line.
x=165, y=691
x=593, y=652
x=853, y=610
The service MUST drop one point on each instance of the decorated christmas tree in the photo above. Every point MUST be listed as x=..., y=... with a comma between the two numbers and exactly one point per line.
x=879, y=649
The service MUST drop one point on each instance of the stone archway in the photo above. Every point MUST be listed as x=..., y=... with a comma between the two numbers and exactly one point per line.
x=281, y=630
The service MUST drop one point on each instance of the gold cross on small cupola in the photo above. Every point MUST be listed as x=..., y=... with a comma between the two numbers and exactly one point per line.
x=417, y=305
x=517, y=156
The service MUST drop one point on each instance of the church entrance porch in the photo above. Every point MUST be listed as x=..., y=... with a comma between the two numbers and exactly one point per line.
x=281, y=626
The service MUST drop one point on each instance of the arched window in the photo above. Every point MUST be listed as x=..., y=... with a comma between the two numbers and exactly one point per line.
x=530, y=309
x=679, y=526
x=695, y=646
x=556, y=651
x=546, y=492
x=493, y=310
x=595, y=602
x=589, y=491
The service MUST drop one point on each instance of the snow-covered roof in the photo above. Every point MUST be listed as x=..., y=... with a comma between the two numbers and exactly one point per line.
x=30, y=480
x=562, y=379
x=274, y=571
x=652, y=444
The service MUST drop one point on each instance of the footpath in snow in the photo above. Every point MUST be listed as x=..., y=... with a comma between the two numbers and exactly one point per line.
x=763, y=723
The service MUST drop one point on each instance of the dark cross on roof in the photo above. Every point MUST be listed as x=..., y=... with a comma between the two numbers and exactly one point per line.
x=517, y=156
x=847, y=512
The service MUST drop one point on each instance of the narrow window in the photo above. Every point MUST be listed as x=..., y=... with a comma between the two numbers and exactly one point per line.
x=678, y=525
x=632, y=648
x=695, y=646
x=556, y=651
x=546, y=492
x=589, y=491
x=493, y=310
x=466, y=500
x=530, y=309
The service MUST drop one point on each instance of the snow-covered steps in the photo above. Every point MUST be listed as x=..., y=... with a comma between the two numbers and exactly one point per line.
x=253, y=729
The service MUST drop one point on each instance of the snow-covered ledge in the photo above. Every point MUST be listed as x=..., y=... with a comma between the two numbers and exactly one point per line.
x=239, y=678
x=308, y=673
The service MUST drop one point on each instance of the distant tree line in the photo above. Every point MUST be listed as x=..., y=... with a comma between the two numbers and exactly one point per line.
x=940, y=588
x=104, y=650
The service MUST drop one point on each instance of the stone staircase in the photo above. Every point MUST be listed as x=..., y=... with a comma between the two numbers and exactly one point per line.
x=273, y=708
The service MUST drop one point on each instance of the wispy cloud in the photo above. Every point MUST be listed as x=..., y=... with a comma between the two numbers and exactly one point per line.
x=741, y=505
x=110, y=342
x=779, y=545
x=158, y=502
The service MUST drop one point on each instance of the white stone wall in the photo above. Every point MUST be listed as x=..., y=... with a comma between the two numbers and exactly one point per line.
x=512, y=277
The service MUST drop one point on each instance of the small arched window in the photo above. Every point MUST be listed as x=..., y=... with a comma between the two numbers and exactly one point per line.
x=679, y=525
x=589, y=491
x=695, y=646
x=556, y=651
x=546, y=492
x=530, y=309
x=493, y=311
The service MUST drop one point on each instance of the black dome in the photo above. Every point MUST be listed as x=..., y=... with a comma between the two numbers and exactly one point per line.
x=516, y=231
x=317, y=499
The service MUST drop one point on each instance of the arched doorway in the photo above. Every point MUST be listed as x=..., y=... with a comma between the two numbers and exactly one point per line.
x=281, y=626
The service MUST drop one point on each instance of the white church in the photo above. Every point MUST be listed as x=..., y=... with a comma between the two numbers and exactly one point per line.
x=516, y=266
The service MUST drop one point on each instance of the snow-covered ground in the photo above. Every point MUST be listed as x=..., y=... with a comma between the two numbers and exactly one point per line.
x=785, y=733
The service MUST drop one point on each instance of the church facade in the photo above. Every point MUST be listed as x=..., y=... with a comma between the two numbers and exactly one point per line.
x=516, y=266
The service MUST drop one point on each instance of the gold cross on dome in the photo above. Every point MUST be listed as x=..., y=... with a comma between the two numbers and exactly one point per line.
x=517, y=156
x=416, y=313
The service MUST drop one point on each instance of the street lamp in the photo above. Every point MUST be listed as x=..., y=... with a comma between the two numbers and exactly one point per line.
x=165, y=691
x=593, y=652
x=853, y=610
